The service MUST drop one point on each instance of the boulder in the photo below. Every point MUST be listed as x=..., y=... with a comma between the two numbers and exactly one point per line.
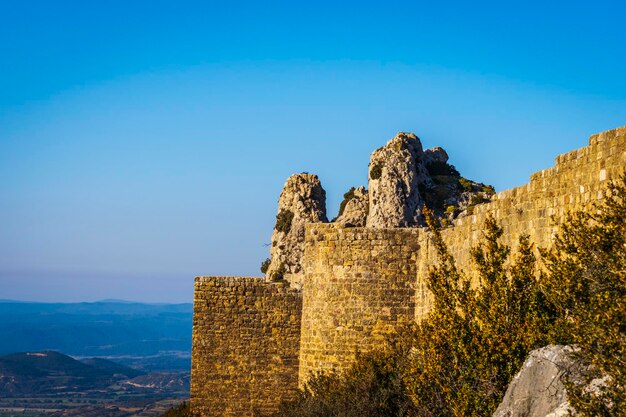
x=435, y=155
x=303, y=200
x=354, y=208
x=538, y=390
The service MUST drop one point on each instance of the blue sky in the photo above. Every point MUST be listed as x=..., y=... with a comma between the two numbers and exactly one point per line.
x=143, y=143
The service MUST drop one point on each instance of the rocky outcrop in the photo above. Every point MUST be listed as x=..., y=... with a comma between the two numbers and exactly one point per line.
x=403, y=178
x=435, y=155
x=538, y=390
x=354, y=208
x=303, y=200
x=395, y=173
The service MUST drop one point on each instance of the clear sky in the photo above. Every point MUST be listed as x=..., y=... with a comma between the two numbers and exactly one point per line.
x=145, y=142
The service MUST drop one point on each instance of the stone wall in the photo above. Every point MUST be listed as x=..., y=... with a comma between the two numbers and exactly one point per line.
x=536, y=208
x=246, y=338
x=359, y=285
x=253, y=342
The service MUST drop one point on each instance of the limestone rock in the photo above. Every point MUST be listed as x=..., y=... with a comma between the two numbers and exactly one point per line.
x=395, y=173
x=538, y=389
x=435, y=155
x=451, y=195
x=303, y=200
x=354, y=208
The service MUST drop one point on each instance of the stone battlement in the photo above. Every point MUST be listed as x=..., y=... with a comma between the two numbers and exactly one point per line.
x=254, y=341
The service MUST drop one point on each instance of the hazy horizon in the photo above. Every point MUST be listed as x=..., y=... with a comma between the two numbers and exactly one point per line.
x=95, y=301
x=143, y=144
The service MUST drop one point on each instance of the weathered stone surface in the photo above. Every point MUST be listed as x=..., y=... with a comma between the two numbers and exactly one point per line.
x=356, y=208
x=302, y=201
x=435, y=154
x=358, y=288
x=395, y=173
x=538, y=390
x=403, y=178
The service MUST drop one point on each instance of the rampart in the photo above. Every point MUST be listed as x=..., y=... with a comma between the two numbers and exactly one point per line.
x=253, y=341
x=246, y=340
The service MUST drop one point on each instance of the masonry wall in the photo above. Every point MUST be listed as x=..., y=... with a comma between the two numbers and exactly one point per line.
x=359, y=285
x=246, y=338
x=578, y=178
x=254, y=342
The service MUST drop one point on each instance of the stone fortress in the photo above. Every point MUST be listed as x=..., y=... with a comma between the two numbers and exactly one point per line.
x=334, y=288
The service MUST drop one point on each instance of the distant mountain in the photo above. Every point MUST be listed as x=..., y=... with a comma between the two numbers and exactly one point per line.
x=31, y=373
x=112, y=329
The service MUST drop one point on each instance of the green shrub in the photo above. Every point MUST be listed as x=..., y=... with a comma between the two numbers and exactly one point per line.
x=469, y=210
x=489, y=190
x=376, y=171
x=478, y=199
x=475, y=340
x=441, y=168
x=279, y=274
x=283, y=221
x=372, y=387
x=444, y=179
x=437, y=196
x=346, y=197
x=265, y=265
x=466, y=185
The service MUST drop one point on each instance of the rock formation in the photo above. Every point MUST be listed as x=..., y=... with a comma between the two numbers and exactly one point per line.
x=354, y=208
x=395, y=173
x=435, y=155
x=538, y=390
x=303, y=200
x=403, y=178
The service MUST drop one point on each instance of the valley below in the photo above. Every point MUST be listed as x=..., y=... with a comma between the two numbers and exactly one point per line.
x=105, y=359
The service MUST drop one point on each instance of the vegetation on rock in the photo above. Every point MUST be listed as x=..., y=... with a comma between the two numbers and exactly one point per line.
x=278, y=274
x=346, y=197
x=442, y=168
x=283, y=221
x=265, y=265
x=376, y=172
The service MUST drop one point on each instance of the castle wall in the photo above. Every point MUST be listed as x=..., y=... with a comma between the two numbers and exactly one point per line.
x=253, y=342
x=536, y=208
x=359, y=285
x=246, y=339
